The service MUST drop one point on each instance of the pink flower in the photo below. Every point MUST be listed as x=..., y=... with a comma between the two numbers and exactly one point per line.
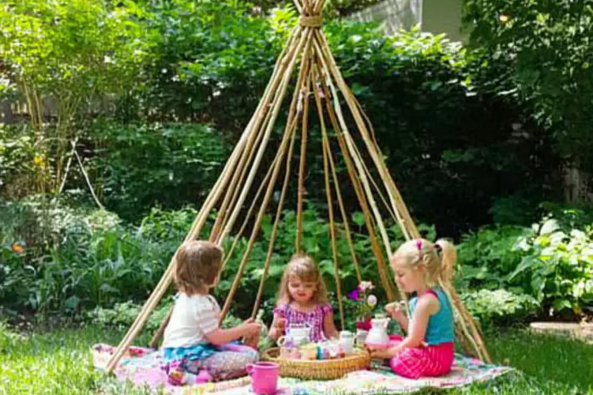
x=365, y=286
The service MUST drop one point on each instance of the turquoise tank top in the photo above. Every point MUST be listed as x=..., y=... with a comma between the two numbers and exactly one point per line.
x=440, y=328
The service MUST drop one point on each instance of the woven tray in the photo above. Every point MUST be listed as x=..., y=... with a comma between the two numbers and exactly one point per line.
x=330, y=369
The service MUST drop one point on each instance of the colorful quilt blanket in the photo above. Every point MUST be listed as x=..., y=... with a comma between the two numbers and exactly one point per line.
x=141, y=366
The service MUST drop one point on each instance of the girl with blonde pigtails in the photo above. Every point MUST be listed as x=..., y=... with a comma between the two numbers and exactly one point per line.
x=422, y=268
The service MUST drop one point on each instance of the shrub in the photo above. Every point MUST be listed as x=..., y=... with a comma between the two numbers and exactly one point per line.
x=499, y=307
x=17, y=277
x=551, y=261
x=94, y=259
x=548, y=58
x=74, y=258
x=122, y=315
x=487, y=257
x=141, y=166
x=20, y=162
x=557, y=267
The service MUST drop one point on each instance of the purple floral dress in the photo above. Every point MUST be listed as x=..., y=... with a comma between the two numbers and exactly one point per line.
x=313, y=317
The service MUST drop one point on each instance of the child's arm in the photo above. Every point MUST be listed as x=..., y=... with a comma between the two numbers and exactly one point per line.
x=329, y=327
x=427, y=306
x=220, y=336
x=277, y=327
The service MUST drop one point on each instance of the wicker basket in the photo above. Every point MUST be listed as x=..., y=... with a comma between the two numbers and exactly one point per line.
x=330, y=369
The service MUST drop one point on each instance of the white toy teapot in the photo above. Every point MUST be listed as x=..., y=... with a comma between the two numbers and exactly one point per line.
x=378, y=339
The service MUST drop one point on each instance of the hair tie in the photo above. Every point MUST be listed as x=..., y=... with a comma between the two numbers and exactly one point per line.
x=438, y=248
x=419, y=246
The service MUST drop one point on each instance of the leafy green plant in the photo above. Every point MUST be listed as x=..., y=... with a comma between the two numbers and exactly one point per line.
x=122, y=315
x=499, y=306
x=141, y=166
x=487, y=257
x=20, y=165
x=558, y=266
x=17, y=277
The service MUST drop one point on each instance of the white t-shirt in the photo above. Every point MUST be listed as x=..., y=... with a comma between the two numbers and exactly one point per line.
x=193, y=317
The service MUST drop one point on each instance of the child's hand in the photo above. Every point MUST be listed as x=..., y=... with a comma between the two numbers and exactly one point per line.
x=384, y=354
x=396, y=310
x=280, y=324
x=250, y=328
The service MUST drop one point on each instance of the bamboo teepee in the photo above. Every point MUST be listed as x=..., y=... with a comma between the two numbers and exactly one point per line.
x=320, y=84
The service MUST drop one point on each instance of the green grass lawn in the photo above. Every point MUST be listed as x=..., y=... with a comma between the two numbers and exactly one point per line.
x=58, y=362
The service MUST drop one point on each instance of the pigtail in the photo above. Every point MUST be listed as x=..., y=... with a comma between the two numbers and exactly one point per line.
x=448, y=257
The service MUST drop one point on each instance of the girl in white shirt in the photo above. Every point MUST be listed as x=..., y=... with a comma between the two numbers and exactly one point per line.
x=195, y=348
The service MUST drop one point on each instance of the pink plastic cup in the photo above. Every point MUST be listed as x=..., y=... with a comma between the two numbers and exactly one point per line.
x=264, y=377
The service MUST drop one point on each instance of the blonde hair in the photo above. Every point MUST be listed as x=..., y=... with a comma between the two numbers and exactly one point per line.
x=197, y=265
x=304, y=268
x=438, y=258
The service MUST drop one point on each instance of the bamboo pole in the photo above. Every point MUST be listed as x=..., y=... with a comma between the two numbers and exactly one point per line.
x=305, y=4
x=351, y=147
x=466, y=317
x=237, y=237
x=332, y=224
x=298, y=6
x=304, y=38
x=365, y=186
x=358, y=189
x=406, y=223
x=319, y=7
x=344, y=217
x=260, y=290
x=304, y=67
x=154, y=342
x=260, y=117
x=303, y=158
x=357, y=159
x=305, y=42
x=378, y=189
x=254, y=232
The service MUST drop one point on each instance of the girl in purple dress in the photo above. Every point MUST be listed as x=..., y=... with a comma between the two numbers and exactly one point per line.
x=302, y=301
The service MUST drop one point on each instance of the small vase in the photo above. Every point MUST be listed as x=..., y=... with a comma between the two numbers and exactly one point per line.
x=361, y=336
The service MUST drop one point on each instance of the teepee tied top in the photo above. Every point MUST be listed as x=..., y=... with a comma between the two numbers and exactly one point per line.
x=319, y=88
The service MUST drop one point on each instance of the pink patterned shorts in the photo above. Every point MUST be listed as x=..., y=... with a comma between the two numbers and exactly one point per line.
x=431, y=361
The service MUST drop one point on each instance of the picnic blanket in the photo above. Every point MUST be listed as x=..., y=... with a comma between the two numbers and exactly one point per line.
x=141, y=366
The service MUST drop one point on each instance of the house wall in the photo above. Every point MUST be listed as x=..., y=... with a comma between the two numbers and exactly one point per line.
x=442, y=16
x=394, y=14
x=435, y=16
